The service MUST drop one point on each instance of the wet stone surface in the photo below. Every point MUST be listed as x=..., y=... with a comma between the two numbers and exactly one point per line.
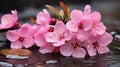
x=37, y=59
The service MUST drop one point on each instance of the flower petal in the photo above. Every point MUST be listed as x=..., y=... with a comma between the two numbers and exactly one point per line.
x=91, y=50
x=14, y=14
x=96, y=16
x=79, y=52
x=87, y=23
x=100, y=28
x=24, y=30
x=60, y=27
x=87, y=10
x=33, y=29
x=67, y=35
x=82, y=35
x=102, y=49
x=72, y=26
x=44, y=25
x=105, y=39
x=40, y=39
x=7, y=25
x=28, y=42
x=66, y=49
x=43, y=17
x=16, y=45
x=92, y=38
x=51, y=37
x=7, y=21
x=47, y=49
x=47, y=13
x=59, y=43
x=76, y=15
x=12, y=35
x=7, y=18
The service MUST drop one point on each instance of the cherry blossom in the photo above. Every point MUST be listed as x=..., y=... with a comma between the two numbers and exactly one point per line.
x=39, y=39
x=59, y=35
x=79, y=24
x=99, y=44
x=21, y=38
x=44, y=19
x=98, y=29
x=76, y=35
x=48, y=49
x=45, y=47
x=28, y=30
x=73, y=48
x=9, y=20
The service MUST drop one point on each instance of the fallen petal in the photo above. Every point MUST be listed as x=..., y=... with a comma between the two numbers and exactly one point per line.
x=19, y=52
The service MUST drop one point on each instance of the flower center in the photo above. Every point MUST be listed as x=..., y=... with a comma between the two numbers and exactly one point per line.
x=75, y=45
x=21, y=39
x=95, y=44
x=61, y=36
x=51, y=29
x=80, y=26
x=16, y=24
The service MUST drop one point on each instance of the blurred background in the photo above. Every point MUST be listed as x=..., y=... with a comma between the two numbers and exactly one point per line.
x=110, y=9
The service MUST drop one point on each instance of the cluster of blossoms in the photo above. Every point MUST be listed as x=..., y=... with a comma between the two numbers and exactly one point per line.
x=84, y=34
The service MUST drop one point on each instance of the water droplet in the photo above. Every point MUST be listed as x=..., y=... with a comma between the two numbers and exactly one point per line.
x=51, y=62
x=6, y=64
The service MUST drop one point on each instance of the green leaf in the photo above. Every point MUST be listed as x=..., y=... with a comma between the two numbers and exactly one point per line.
x=52, y=9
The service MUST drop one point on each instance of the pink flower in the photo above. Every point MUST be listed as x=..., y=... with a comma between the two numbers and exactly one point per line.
x=59, y=35
x=74, y=48
x=99, y=44
x=80, y=20
x=9, y=20
x=22, y=37
x=48, y=49
x=98, y=28
x=96, y=16
x=39, y=39
x=82, y=23
x=79, y=24
x=43, y=19
x=27, y=30
x=45, y=47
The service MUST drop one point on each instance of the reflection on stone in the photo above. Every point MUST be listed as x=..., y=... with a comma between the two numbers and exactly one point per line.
x=6, y=64
x=51, y=62
x=20, y=65
x=117, y=37
x=16, y=57
x=113, y=32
